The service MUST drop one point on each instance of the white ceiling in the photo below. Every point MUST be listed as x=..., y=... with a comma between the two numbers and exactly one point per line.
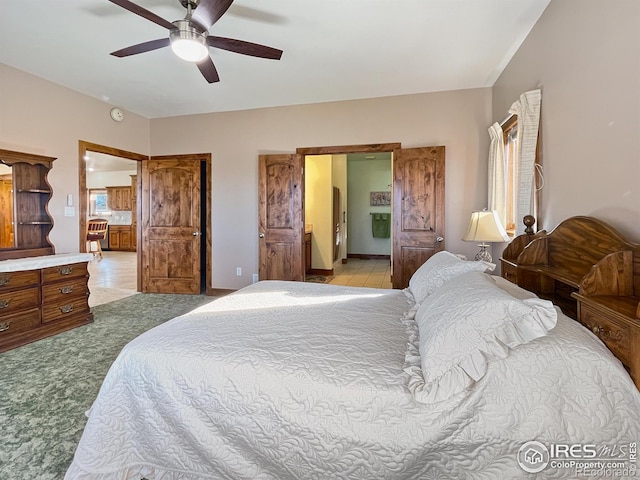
x=333, y=50
x=101, y=162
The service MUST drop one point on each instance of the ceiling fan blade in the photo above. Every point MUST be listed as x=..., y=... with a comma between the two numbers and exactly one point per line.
x=142, y=47
x=209, y=12
x=244, y=48
x=253, y=14
x=144, y=13
x=208, y=70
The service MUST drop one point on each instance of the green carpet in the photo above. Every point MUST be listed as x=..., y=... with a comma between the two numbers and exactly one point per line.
x=46, y=386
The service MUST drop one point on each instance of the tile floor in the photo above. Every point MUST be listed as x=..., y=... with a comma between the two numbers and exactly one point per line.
x=114, y=277
x=363, y=273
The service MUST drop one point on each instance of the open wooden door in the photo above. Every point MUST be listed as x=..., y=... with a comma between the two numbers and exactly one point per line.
x=281, y=217
x=170, y=213
x=418, y=209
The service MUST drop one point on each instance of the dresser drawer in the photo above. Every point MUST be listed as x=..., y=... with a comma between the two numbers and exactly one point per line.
x=64, y=309
x=61, y=272
x=15, y=300
x=613, y=334
x=19, y=322
x=509, y=272
x=10, y=280
x=58, y=292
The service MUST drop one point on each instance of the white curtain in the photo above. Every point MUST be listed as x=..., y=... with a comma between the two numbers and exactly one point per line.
x=527, y=108
x=497, y=180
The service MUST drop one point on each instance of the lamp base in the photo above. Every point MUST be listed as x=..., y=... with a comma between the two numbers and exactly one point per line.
x=483, y=254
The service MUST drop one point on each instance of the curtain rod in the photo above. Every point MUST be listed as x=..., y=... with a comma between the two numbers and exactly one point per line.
x=506, y=119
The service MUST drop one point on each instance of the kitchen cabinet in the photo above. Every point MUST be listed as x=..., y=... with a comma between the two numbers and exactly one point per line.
x=120, y=238
x=119, y=198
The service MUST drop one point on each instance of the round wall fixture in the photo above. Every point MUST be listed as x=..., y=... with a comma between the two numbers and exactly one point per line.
x=116, y=114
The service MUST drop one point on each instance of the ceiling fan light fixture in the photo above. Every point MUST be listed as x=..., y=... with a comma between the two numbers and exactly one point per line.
x=187, y=43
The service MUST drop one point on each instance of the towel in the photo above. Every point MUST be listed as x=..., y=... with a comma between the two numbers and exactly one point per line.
x=381, y=225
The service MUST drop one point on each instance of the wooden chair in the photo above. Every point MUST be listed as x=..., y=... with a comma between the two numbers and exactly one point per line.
x=96, y=231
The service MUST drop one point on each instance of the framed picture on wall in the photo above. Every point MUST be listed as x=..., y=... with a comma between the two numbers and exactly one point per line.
x=380, y=199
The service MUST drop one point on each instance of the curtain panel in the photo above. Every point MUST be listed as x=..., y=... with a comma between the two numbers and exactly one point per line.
x=497, y=177
x=527, y=108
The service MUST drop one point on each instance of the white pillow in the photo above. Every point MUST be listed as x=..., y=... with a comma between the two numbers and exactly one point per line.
x=465, y=324
x=439, y=269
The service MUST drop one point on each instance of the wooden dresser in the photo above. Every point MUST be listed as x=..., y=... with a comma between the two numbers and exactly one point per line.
x=592, y=273
x=42, y=296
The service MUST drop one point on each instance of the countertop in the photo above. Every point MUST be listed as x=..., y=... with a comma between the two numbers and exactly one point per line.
x=34, y=263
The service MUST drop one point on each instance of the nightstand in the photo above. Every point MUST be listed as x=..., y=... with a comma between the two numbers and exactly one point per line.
x=613, y=320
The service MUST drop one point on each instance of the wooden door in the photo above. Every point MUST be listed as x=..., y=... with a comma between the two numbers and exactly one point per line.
x=337, y=234
x=281, y=217
x=170, y=208
x=418, y=209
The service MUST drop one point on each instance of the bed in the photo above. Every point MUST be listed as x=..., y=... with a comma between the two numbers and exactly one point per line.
x=462, y=375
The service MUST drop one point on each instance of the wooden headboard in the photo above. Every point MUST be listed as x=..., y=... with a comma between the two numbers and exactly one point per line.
x=592, y=273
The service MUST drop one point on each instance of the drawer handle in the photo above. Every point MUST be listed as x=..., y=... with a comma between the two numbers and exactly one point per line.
x=4, y=280
x=607, y=334
x=4, y=326
x=4, y=303
x=66, y=289
x=65, y=270
x=67, y=308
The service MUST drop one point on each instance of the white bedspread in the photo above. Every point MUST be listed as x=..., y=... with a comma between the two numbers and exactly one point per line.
x=292, y=381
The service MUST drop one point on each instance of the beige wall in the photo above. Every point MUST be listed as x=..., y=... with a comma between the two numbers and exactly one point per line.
x=37, y=116
x=317, y=208
x=365, y=176
x=456, y=119
x=585, y=56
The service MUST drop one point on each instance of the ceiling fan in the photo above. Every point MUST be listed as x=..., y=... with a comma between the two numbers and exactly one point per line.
x=189, y=37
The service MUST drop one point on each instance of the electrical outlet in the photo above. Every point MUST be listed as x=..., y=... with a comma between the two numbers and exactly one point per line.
x=239, y=271
x=255, y=278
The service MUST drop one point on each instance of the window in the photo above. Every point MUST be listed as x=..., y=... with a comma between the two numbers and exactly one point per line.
x=513, y=189
x=510, y=136
x=98, y=205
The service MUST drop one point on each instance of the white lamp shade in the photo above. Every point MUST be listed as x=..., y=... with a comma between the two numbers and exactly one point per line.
x=189, y=49
x=188, y=43
x=485, y=226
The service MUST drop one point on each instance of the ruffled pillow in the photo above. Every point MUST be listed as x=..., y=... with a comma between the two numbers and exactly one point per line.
x=439, y=269
x=464, y=325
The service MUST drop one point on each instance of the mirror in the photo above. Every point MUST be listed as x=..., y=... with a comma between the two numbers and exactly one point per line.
x=7, y=239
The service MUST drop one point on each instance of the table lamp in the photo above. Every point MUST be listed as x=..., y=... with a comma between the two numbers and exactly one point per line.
x=485, y=226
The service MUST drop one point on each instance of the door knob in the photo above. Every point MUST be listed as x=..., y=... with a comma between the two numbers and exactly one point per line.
x=197, y=234
x=439, y=239
x=261, y=235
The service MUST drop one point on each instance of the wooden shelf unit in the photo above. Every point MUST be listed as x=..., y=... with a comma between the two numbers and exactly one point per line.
x=32, y=222
x=592, y=273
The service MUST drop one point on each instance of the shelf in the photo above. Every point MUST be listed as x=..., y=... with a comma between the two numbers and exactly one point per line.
x=30, y=221
x=33, y=190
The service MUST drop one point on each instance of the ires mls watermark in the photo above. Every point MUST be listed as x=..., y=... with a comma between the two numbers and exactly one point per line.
x=582, y=460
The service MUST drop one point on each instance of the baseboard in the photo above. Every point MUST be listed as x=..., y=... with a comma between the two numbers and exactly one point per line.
x=218, y=292
x=367, y=256
x=319, y=271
